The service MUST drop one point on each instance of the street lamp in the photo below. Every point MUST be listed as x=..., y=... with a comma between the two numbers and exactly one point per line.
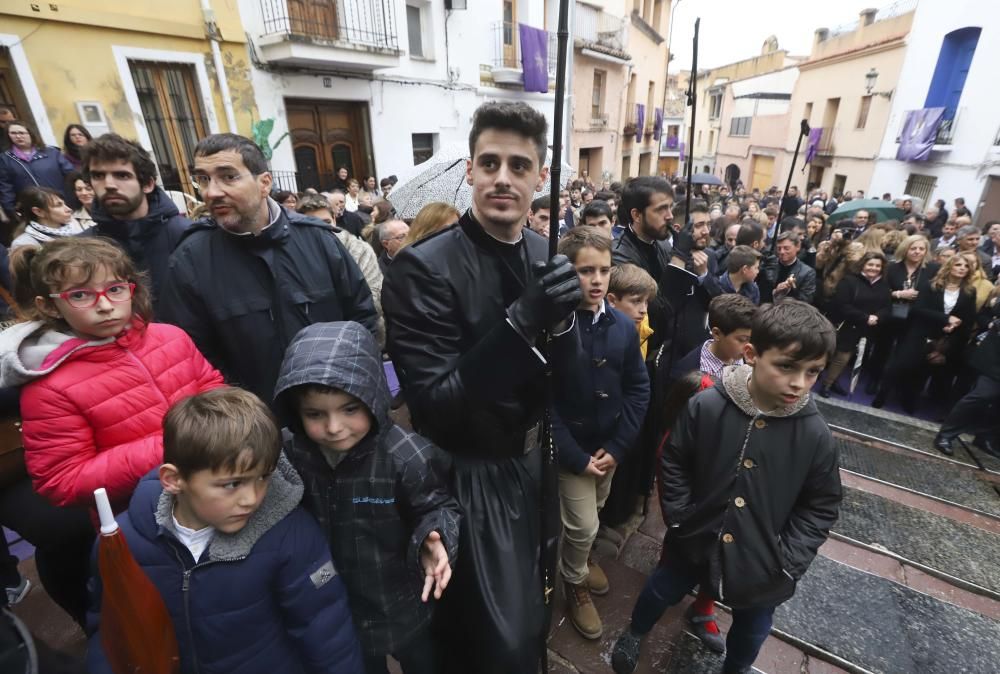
x=870, y=80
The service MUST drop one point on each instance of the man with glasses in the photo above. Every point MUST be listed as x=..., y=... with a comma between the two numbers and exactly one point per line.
x=247, y=278
x=391, y=234
x=130, y=208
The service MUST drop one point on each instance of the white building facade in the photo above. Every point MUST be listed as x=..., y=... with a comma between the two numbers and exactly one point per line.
x=380, y=85
x=951, y=63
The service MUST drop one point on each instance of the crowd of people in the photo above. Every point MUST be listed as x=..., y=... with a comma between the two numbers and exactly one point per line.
x=220, y=369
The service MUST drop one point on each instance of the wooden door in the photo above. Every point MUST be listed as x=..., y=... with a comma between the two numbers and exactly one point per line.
x=171, y=109
x=510, y=37
x=11, y=93
x=763, y=170
x=326, y=136
x=316, y=18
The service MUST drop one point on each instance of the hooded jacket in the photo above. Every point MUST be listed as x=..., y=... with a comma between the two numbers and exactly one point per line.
x=263, y=600
x=382, y=500
x=242, y=298
x=92, y=411
x=149, y=240
x=749, y=494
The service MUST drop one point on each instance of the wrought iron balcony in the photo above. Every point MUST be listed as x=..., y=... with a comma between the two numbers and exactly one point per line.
x=345, y=34
x=507, y=67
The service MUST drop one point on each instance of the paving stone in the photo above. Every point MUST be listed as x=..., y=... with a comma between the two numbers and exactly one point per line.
x=963, y=551
x=642, y=553
x=926, y=475
x=885, y=627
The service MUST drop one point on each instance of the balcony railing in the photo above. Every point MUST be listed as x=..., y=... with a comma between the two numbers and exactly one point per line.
x=507, y=47
x=597, y=28
x=285, y=180
x=946, y=132
x=366, y=23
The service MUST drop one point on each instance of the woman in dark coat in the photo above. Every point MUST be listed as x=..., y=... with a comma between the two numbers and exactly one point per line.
x=860, y=304
x=29, y=163
x=911, y=269
x=935, y=334
x=971, y=413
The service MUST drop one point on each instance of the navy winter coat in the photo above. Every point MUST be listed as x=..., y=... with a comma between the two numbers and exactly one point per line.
x=263, y=600
x=150, y=240
x=48, y=168
x=601, y=400
x=242, y=298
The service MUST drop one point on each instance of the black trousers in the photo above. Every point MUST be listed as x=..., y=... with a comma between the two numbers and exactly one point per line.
x=970, y=414
x=63, y=540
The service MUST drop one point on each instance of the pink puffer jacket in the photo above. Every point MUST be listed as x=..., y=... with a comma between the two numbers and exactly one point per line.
x=94, y=418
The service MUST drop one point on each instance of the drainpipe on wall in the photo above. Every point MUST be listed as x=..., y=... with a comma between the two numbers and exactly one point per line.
x=212, y=32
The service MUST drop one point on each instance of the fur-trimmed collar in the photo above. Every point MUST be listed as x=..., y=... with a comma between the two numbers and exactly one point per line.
x=736, y=382
x=284, y=492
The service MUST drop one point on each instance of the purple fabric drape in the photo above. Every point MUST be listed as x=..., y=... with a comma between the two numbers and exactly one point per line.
x=640, y=121
x=681, y=147
x=534, y=58
x=658, y=123
x=812, y=146
x=919, y=131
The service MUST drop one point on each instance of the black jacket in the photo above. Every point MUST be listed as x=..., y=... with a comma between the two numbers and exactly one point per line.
x=750, y=495
x=926, y=322
x=149, y=241
x=853, y=302
x=654, y=258
x=474, y=386
x=383, y=498
x=805, y=281
x=242, y=298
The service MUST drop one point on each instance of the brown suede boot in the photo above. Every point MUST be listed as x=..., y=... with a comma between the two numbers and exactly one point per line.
x=582, y=611
x=597, y=581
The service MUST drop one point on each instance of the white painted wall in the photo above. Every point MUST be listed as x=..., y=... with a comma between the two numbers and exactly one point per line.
x=962, y=169
x=415, y=97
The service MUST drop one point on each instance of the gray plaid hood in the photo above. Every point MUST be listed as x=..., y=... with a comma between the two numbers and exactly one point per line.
x=341, y=355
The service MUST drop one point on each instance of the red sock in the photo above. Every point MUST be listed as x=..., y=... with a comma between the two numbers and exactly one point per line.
x=705, y=605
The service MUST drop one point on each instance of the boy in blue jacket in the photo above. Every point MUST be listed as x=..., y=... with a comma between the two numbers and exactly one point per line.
x=599, y=405
x=245, y=573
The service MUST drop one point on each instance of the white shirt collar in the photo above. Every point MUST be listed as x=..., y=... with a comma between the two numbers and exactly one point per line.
x=601, y=310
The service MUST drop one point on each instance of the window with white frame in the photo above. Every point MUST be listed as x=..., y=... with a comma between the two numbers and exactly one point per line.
x=418, y=29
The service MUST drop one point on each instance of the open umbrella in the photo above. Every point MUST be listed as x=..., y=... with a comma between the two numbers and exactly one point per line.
x=137, y=634
x=442, y=178
x=705, y=179
x=885, y=210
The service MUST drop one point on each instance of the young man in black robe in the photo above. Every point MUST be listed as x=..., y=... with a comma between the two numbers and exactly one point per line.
x=465, y=312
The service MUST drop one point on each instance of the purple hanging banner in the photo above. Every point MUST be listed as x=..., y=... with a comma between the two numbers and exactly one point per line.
x=919, y=131
x=681, y=158
x=672, y=142
x=812, y=147
x=640, y=121
x=658, y=124
x=534, y=58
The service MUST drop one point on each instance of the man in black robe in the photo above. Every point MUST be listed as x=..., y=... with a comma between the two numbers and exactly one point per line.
x=465, y=310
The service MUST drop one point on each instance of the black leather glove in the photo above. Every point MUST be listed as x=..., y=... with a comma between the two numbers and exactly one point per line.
x=552, y=294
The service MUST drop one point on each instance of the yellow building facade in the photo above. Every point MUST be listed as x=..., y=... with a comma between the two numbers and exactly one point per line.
x=146, y=69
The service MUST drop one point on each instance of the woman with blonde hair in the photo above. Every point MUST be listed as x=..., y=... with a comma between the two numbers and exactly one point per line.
x=432, y=218
x=872, y=239
x=934, y=338
x=980, y=283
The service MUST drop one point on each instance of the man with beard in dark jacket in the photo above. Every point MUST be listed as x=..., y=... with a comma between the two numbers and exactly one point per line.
x=465, y=309
x=746, y=535
x=646, y=210
x=245, y=280
x=129, y=208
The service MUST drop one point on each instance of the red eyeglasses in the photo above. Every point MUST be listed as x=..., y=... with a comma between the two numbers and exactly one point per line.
x=85, y=298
